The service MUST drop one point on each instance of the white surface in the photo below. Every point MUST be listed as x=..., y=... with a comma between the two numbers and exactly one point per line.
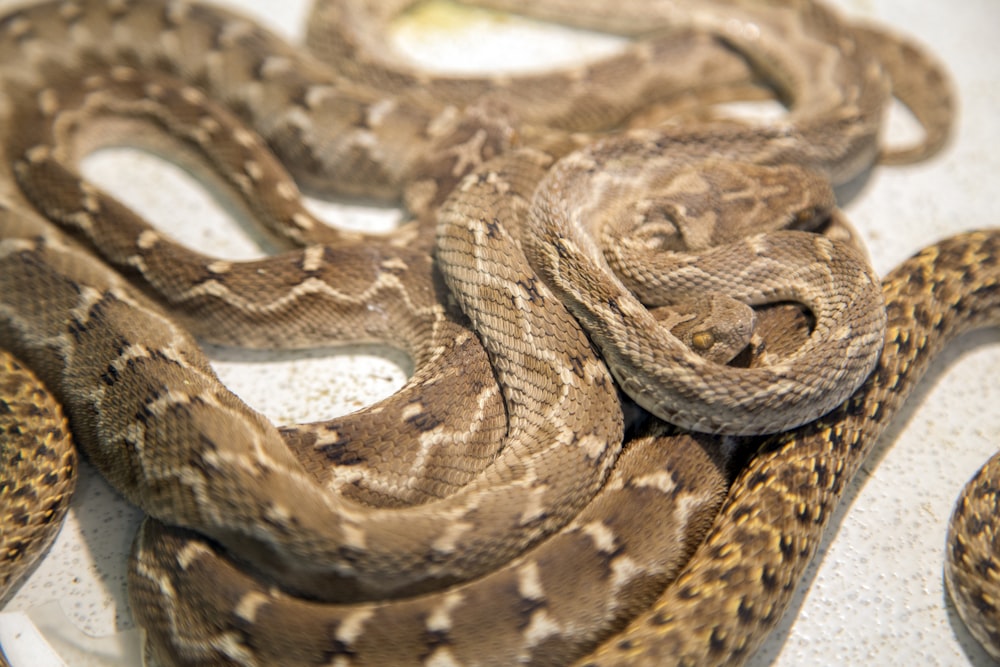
x=875, y=595
x=25, y=642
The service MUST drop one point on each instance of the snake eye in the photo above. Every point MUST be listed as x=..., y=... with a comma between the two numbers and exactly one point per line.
x=702, y=340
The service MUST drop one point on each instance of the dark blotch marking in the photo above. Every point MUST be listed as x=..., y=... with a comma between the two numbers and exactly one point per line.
x=424, y=421
x=433, y=640
x=745, y=612
x=339, y=453
x=530, y=287
x=716, y=642
x=335, y=647
x=770, y=580
x=526, y=608
x=492, y=227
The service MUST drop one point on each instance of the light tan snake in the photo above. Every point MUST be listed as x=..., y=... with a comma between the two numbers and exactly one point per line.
x=109, y=304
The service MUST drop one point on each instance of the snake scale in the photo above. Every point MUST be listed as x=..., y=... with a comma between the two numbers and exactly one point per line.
x=541, y=431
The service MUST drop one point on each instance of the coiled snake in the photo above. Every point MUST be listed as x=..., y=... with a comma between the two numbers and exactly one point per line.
x=554, y=395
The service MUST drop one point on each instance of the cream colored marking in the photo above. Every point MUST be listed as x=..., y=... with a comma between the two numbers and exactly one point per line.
x=48, y=102
x=353, y=625
x=313, y=258
x=529, y=581
x=451, y=536
x=148, y=238
x=193, y=96
x=442, y=123
x=364, y=139
x=191, y=552
x=275, y=67
x=219, y=266
x=82, y=220
x=37, y=154
x=535, y=505
x=442, y=657
x=253, y=170
x=412, y=410
x=91, y=198
x=379, y=111
x=209, y=124
x=154, y=90
x=243, y=182
x=153, y=575
x=123, y=74
x=302, y=221
x=825, y=249
x=244, y=137
x=94, y=81
x=439, y=619
x=317, y=95
x=661, y=480
x=602, y=536
x=279, y=512
x=231, y=645
x=541, y=627
x=469, y=154
x=394, y=264
x=592, y=446
x=13, y=246
x=625, y=570
x=286, y=190
x=354, y=536
x=499, y=182
x=249, y=604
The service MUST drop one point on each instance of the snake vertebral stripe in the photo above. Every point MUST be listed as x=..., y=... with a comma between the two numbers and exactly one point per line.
x=136, y=386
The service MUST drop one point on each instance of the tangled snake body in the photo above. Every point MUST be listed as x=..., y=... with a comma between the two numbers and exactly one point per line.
x=542, y=444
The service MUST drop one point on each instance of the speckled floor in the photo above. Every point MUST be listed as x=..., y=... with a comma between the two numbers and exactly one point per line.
x=874, y=595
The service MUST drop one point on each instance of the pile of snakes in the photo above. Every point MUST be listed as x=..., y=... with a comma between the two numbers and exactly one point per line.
x=648, y=349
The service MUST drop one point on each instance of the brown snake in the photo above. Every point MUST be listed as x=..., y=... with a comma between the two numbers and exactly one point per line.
x=110, y=304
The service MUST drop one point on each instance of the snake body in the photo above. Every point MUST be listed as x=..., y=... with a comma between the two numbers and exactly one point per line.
x=546, y=421
x=796, y=478
x=38, y=471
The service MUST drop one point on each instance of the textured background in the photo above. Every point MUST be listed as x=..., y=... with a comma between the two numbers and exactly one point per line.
x=875, y=594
